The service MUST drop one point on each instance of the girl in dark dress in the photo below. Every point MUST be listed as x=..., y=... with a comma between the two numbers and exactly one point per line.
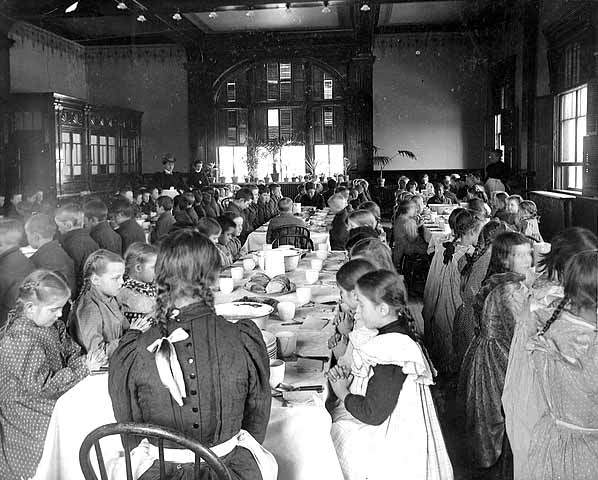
x=216, y=390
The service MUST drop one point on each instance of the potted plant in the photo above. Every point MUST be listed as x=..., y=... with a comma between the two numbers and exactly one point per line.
x=383, y=161
x=235, y=179
x=222, y=179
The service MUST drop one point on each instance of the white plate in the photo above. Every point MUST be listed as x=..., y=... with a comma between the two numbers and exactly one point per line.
x=243, y=310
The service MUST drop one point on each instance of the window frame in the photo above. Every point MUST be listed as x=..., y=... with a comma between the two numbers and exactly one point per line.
x=559, y=165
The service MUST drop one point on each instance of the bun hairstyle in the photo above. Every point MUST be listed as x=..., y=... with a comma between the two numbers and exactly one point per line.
x=487, y=236
x=384, y=286
x=138, y=253
x=188, y=264
x=580, y=282
x=564, y=245
x=42, y=287
x=502, y=246
x=462, y=223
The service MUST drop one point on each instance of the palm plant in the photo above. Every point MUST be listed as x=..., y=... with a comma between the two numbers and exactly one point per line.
x=383, y=161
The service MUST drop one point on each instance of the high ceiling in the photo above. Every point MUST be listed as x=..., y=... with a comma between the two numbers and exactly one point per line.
x=95, y=22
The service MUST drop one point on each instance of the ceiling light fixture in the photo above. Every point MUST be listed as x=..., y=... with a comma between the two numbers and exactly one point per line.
x=177, y=16
x=121, y=5
x=250, y=12
x=365, y=7
x=141, y=18
x=71, y=8
x=326, y=8
x=213, y=14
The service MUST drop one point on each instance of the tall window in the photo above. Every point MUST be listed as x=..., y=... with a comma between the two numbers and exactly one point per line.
x=71, y=154
x=328, y=159
x=572, y=108
x=103, y=154
x=233, y=162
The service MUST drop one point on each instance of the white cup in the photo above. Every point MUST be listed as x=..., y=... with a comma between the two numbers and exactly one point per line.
x=248, y=264
x=277, y=368
x=236, y=273
x=286, y=311
x=267, y=246
x=227, y=285
x=322, y=254
x=311, y=276
x=316, y=264
x=287, y=343
x=303, y=295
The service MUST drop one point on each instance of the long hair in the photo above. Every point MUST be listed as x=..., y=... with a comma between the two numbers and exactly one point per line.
x=564, y=245
x=502, y=247
x=487, y=236
x=374, y=251
x=96, y=263
x=188, y=264
x=463, y=223
x=385, y=286
x=40, y=287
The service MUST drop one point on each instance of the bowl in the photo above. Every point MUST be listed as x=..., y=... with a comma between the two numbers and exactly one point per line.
x=235, y=311
x=291, y=262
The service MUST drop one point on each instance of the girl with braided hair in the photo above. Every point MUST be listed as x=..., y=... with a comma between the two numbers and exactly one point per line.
x=38, y=363
x=386, y=421
x=442, y=295
x=501, y=299
x=96, y=320
x=473, y=270
x=522, y=400
x=564, y=355
x=195, y=372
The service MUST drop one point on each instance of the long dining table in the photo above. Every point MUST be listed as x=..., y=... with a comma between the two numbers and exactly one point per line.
x=298, y=432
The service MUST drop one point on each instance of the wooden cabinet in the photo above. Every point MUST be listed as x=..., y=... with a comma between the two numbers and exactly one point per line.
x=63, y=145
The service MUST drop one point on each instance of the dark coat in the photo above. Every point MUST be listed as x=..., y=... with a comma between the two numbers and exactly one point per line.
x=317, y=201
x=106, y=237
x=197, y=179
x=130, y=232
x=14, y=267
x=162, y=227
x=79, y=245
x=339, y=233
x=52, y=256
x=226, y=372
x=164, y=180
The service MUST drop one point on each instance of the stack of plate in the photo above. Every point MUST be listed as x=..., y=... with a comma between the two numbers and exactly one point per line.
x=270, y=341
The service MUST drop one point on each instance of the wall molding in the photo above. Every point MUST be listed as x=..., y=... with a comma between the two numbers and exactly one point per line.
x=161, y=52
x=23, y=32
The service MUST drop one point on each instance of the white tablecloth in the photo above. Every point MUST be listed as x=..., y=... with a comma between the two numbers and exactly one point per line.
x=435, y=237
x=257, y=238
x=298, y=435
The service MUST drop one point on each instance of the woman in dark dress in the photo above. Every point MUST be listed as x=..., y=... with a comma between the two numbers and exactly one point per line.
x=216, y=389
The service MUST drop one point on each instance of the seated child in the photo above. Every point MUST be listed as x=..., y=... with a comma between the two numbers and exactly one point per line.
x=137, y=297
x=128, y=228
x=74, y=238
x=386, y=421
x=528, y=220
x=513, y=202
x=499, y=206
x=211, y=228
x=339, y=232
x=228, y=231
x=96, y=219
x=165, y=220
x=346, y=278
x=38, y=363
x=361, y=224
x=49, y=255
x=235, y=247
x=14, y=266
x=96, y=320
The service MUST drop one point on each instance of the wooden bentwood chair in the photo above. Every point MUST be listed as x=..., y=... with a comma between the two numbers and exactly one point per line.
x=294, y=235
x=131, y=434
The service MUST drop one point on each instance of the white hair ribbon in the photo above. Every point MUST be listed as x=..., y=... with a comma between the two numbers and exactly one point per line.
x=168, y=365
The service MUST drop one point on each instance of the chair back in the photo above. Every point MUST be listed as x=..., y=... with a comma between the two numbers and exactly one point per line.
x=225, y=203
x=294, y=235
x=130, y=434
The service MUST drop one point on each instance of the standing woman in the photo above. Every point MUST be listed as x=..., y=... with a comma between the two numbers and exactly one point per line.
x=215, y=389
x=499, y=302
x=442, y=293
x=565, y=358
x=522, y=401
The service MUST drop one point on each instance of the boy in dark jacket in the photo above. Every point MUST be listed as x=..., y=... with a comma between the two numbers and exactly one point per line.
x=40, y=230
x=74, y=238
x=128, y=228
x=96, y=219
x=165, y=220
x=14, y=266
x=339, y=233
